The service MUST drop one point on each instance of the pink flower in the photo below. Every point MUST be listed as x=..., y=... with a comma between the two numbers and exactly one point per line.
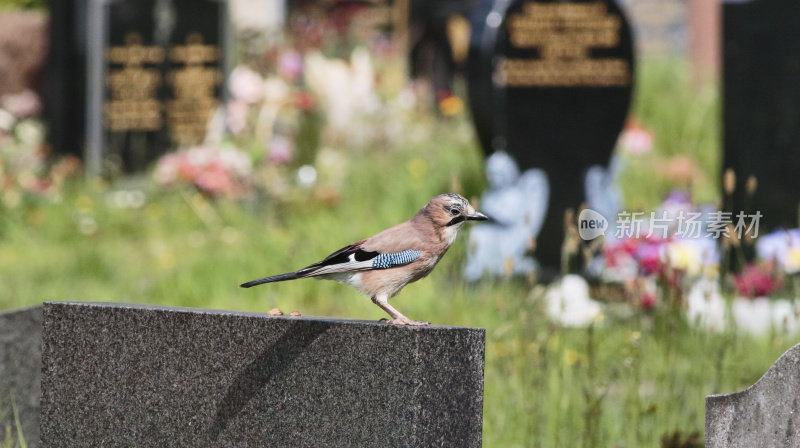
x=290, y=65
x=650, y=256
x=636, y=139
x=648, y=300
x=237, y=116
x=21, y=105
x=166, y=171
x=757, y=281
x=187, y=170
x=304, y=101
x=214, y=179
x=213, y=170
x=280, y=150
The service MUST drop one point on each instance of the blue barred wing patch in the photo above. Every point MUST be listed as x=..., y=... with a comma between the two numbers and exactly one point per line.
x=385, y=261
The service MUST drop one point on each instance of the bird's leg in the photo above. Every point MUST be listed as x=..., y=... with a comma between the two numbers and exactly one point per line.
x=397, y=317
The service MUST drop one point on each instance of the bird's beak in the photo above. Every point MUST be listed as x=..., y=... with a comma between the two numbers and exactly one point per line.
x=477, y=216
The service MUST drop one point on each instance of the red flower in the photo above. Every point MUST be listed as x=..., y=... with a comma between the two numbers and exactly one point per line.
x=648, y=300
x=757, y=281
x=304, y=101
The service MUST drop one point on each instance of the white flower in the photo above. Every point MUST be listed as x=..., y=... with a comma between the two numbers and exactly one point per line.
x=236, y=161
x=344, y=90
x=246, y=85
x=30, y=132
x=782, y=246
x=275, y=90
x=569, y=304
x=7, y=120
x=307, y=175
x=705, y=305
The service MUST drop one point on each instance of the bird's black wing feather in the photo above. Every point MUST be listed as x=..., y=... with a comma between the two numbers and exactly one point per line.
x=340, y=257
x=343, y=256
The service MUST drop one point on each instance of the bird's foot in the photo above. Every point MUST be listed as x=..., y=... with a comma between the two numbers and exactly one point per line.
x=406, y=322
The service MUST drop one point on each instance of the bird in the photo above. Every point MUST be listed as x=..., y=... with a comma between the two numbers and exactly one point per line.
x=381, y=265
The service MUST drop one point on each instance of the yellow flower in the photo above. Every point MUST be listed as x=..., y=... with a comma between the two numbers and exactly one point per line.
x=500, y=349
x=571, y=357
x=450, y=106
x=166, y=259
x=683, y=257
x=84, y=203
x=792, y=261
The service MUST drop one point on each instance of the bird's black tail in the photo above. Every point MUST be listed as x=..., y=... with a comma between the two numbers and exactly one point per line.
x=279, y=278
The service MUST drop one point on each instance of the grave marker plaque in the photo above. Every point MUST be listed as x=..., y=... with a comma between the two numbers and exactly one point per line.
x=150, y=71
x=550, y=83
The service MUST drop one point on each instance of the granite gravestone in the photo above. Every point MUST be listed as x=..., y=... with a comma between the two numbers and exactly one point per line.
x=129, y=375
x=20, y=371
x=130, y=79
x=761, y=112
x=550, y=83
x=764, y=415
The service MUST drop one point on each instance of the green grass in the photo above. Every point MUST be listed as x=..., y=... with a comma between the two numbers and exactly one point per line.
x=11, y=435
x=629, y=381
x=685, y=122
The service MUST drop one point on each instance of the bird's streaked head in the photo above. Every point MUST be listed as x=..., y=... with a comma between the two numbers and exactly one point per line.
x=452, y=210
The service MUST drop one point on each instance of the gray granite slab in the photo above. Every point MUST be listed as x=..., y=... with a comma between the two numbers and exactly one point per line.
x=146, y=376
x=20, y=371
x=764, y=415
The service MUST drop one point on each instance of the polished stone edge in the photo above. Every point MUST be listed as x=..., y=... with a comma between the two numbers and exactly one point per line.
x=253, y=314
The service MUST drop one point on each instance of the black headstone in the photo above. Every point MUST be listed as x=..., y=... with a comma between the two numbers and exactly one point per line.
x=550, y=83
x=761, y=94
x=129, y=79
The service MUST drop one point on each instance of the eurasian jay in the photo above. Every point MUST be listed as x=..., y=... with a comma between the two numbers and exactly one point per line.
x=380, y=266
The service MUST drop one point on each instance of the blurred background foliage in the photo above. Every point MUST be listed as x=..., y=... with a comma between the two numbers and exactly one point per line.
x=633, y=378
x=12, y=5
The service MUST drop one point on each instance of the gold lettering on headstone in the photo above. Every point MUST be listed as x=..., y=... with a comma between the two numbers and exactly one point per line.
x=193, y=84
x=564, y=35
x=132, y=103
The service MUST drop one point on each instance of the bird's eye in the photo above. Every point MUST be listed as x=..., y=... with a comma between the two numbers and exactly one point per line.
x=454, y=211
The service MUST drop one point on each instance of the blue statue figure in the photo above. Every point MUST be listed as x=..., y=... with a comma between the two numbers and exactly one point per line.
x=516, y=205
x=603, y=194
